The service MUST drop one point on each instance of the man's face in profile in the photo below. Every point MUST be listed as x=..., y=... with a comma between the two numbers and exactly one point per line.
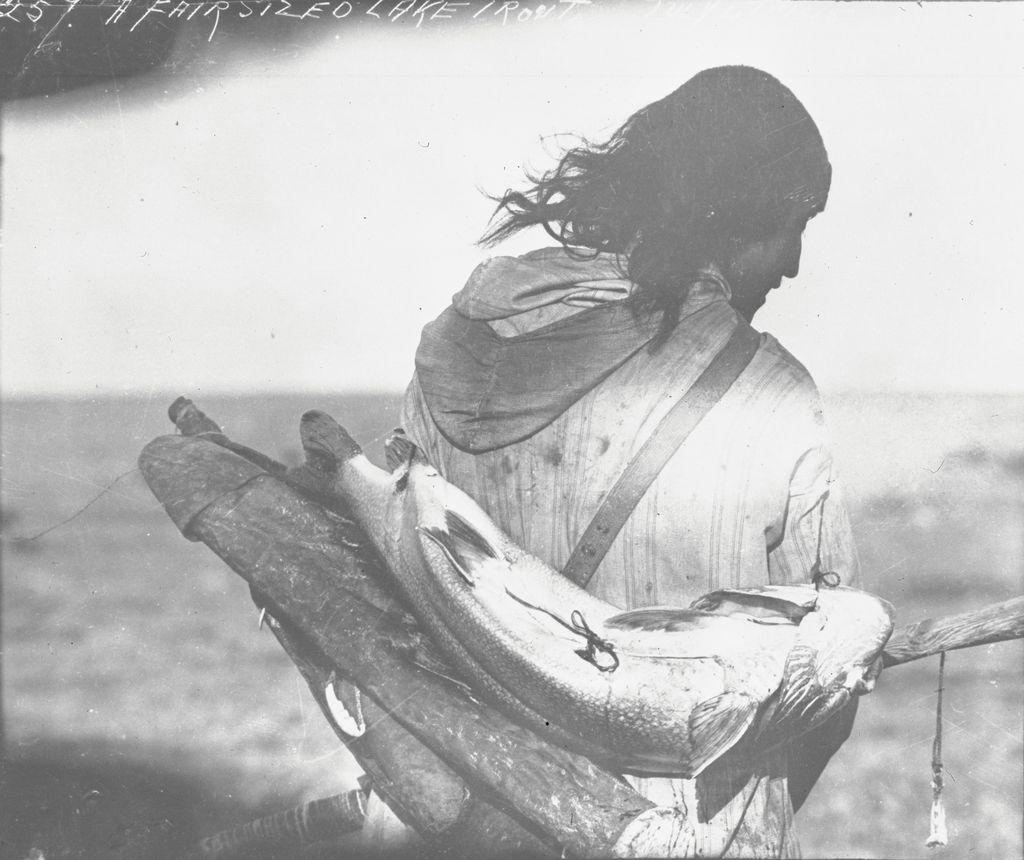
x=758, y=267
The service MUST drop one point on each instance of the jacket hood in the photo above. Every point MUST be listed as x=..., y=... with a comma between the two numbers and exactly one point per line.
x=540, y=287
x=529, y=336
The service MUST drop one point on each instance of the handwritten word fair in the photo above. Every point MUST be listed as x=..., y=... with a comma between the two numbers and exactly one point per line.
x=135, y=13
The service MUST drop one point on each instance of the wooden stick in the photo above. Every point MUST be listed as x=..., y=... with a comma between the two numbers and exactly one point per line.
x=997, y=623
x=191, y=421
x=316, y=821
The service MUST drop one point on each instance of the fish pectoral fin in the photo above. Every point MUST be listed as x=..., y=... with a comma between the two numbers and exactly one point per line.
x=802, y=694
x=468, y=538
x=660, y=618
x=716, y=725
x=464, y=547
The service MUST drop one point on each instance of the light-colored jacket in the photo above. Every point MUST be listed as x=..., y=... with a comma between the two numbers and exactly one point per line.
x=750, y=497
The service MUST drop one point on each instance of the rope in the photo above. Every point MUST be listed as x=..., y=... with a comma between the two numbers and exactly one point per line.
x=937, y=835
x=81, y=510
x=828, y=578
x=743, y=816
x=578, y=625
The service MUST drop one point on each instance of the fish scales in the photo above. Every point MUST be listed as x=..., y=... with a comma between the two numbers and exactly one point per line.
x=513, y=646
x=631, y=711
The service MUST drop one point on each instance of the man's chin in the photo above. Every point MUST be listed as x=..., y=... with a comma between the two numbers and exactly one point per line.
x=747, y=309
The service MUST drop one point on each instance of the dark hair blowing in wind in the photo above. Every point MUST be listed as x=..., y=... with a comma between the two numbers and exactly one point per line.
x=684, y=182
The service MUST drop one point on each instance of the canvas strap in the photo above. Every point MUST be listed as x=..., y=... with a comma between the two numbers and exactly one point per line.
x=663, y=442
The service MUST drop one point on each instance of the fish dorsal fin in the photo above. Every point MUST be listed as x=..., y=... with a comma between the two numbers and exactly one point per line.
x=399, y=450
x=716, y=725
x=462, y=545
x=668, y=619
x=768, y=604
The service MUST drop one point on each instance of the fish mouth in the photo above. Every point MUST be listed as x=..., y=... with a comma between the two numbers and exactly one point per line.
x=863, y=680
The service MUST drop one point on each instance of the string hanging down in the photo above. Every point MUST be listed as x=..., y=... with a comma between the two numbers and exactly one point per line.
x=937, y=835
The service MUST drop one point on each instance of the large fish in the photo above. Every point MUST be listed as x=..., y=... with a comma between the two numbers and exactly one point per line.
x=662, y=690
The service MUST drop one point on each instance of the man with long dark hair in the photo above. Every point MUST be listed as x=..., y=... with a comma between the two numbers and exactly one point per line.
x=537, y=388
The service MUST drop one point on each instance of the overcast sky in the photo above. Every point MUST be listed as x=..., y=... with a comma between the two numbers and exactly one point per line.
x=291, y=222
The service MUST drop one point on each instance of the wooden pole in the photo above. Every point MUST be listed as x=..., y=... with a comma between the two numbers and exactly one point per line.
x=997, y=623
x=316, y=821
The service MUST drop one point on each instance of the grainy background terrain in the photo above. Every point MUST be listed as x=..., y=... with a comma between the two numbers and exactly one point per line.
x=133, y=666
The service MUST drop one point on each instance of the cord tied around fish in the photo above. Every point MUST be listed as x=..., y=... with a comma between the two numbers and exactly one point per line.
x=828, y=578
x=819, y=577
x=578, y=625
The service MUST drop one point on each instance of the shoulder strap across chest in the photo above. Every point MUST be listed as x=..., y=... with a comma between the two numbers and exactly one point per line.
x=663, y=442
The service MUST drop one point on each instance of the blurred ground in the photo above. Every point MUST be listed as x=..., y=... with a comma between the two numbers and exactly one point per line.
x=143, y=706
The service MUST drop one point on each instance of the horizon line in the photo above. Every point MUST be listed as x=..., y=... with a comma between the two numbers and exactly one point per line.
x=150, y=394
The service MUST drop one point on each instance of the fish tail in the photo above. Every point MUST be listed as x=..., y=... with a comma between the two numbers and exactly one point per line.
x=326, y=442
x=399, y=449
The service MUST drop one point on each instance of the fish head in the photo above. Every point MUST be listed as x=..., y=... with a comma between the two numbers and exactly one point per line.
x=836, y=655
x=846, y=632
